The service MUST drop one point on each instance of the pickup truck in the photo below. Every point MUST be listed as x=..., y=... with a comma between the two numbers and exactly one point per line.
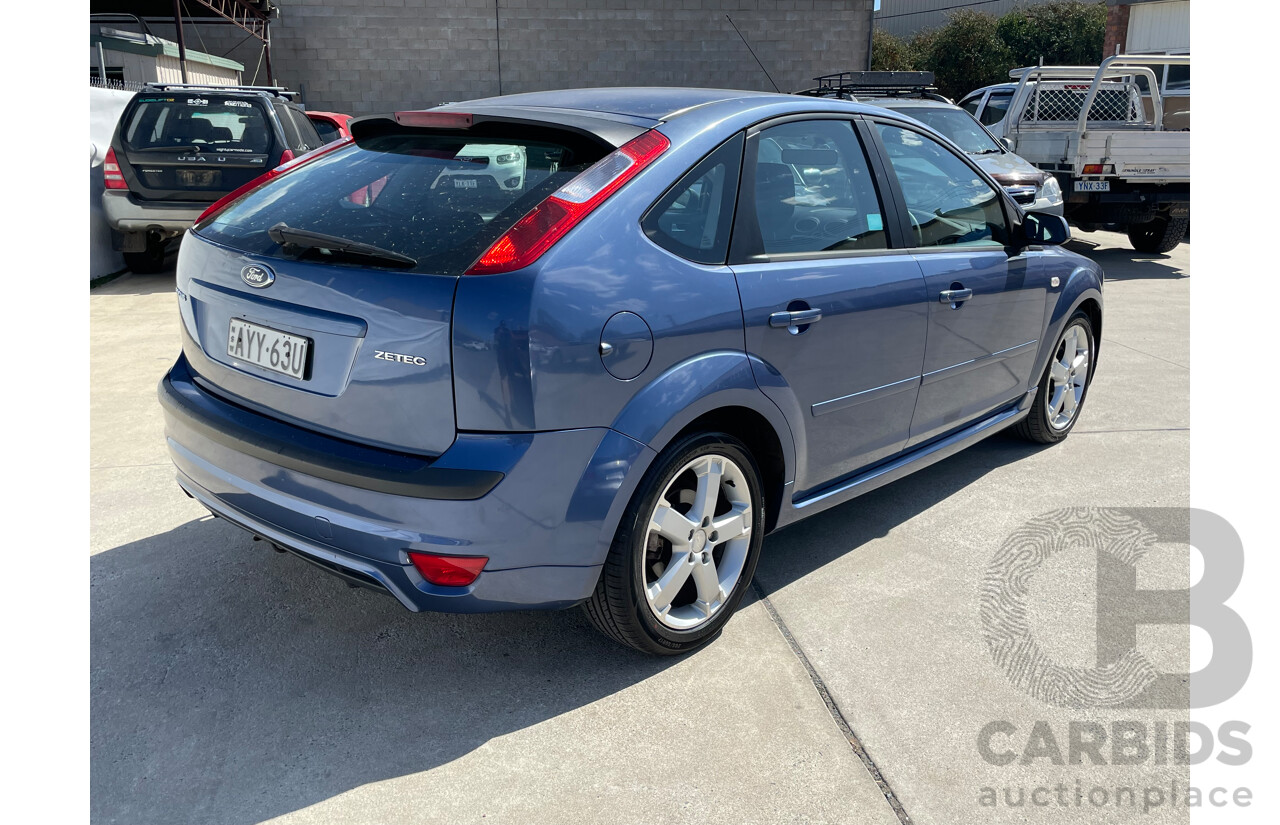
x=1103, y=132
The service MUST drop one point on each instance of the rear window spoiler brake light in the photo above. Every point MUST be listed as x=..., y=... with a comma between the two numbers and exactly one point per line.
x=435, y=120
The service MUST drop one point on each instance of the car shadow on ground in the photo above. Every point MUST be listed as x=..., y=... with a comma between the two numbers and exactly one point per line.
x=232, y=684
x=1128, y=264
x=797, y=551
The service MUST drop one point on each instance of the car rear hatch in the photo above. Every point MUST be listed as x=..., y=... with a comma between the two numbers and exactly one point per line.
x=324, y=298
x=185, y=145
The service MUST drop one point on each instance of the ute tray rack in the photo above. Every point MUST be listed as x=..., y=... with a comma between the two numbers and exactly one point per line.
x=854, y=85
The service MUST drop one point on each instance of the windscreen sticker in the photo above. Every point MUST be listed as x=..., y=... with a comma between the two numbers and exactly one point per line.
x=875, y=223
x=238, y=103
x=197, y=101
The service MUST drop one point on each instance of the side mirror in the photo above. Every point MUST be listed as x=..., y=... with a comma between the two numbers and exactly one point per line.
x=1006, y=143
x=1045, y=229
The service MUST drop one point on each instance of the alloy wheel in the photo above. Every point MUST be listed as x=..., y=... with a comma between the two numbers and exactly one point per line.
x=697, y=541
x=1068, y=376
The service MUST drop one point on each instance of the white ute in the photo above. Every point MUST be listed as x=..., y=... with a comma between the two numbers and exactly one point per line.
x=1103, y=131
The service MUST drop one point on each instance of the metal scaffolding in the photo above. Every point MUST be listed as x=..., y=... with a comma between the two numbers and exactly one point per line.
x=253, y=17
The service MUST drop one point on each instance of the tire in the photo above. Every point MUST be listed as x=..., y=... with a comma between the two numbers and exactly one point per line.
x=631, y=604
x=1057, y=408
x=1159, y=235
x=148, y=261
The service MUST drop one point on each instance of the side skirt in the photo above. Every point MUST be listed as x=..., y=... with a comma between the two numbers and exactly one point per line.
x=904, y=465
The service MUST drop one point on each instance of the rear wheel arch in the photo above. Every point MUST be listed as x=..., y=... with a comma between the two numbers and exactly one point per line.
x=762, y=441
x=713, y=388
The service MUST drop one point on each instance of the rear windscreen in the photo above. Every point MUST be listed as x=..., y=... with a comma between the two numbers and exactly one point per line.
x=441, y=199
x=207, y=122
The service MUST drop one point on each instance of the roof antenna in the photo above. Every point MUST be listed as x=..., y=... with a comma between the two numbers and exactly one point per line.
x=753, y=54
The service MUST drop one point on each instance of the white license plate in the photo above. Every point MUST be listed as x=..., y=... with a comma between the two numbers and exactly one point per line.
x=1093, y=186
x=267, y=348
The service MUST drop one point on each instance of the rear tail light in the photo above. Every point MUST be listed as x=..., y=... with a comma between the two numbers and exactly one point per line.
x=448, y=571
x=112, y=177
x=288, y=164
x=548, y=222
x=1098, y=169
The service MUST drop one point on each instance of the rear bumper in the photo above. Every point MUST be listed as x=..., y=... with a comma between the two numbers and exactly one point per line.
x=546, y=526
x=125, y=213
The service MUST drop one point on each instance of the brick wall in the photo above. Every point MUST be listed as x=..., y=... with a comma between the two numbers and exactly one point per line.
x=1117, y=30
x=362, y=56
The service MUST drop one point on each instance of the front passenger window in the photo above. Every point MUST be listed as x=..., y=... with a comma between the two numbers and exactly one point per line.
x=949, y=204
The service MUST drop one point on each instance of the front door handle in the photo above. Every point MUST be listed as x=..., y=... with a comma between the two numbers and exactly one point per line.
x=955, y=296
x=796, y=318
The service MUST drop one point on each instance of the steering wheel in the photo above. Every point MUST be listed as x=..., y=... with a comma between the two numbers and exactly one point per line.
x=916, y=227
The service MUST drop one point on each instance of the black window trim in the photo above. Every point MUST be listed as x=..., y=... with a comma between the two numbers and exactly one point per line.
x=1012, y=213
x=747, y=245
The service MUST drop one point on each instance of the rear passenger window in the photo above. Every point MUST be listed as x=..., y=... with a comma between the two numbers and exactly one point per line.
x=309, y=138
x=949, y=204
x=694, y=218
x=814, y=191
x=997, y=107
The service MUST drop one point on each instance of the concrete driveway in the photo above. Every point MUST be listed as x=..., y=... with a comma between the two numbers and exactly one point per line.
x=232, y=684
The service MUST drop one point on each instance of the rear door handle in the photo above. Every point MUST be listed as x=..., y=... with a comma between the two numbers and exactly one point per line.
x=800, y=317
x=955, y=296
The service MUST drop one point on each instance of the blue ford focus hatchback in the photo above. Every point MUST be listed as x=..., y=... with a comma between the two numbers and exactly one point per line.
x=590, y=347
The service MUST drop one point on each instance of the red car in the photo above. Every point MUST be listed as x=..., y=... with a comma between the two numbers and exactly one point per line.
x=331, y=125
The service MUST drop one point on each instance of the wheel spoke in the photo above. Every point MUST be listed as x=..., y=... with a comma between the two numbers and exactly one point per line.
x=669, y=583
x=733, y=524
x=1081, y=367
x=708, y=495
x=710, y=594
x=1058, y=372
x=1057, y=400
x=1069, y=402
x=669, y=524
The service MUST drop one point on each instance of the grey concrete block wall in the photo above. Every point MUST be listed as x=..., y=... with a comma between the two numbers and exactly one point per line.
x=383, y=55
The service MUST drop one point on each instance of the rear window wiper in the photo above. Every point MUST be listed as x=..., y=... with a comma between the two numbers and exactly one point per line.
x=286, y=235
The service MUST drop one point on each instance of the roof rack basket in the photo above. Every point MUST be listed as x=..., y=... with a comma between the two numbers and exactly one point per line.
x=852, y=85
x=278, y=90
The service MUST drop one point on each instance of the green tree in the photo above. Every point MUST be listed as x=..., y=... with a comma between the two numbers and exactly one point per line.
x=890, y=53
x=965, y=54
x=1065, y=32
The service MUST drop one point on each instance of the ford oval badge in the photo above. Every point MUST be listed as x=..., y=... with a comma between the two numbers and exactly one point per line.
x=257, y=276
